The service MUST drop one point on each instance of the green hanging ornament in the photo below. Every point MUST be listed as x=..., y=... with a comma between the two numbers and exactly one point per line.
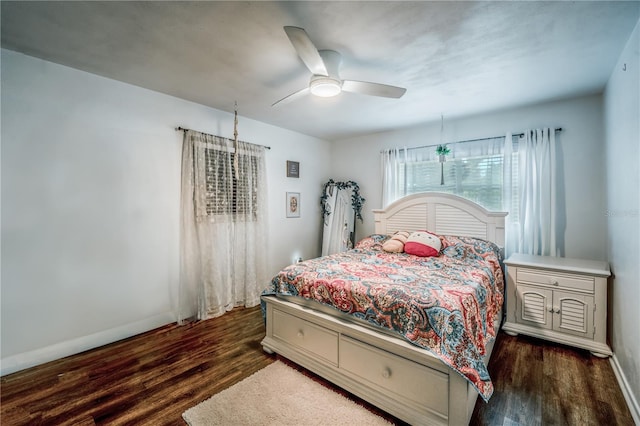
x=442, y=151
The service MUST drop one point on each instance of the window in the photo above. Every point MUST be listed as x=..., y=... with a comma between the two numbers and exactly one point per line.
x=474, y=170
x=227, y=194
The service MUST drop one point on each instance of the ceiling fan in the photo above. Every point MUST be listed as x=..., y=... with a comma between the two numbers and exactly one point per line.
x=325, y=80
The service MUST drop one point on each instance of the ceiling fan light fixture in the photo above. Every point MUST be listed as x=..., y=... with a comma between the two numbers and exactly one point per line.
x=325, y=87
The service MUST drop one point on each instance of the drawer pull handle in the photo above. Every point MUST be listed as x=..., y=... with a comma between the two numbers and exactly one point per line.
x=550, y=309
x=555, y=282
x=300, y=334
x=386, y=373
x=557, y=311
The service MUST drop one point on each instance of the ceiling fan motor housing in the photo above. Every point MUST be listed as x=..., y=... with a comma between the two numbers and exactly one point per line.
x=330, y=84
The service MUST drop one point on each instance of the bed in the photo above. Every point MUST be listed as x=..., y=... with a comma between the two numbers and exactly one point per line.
x=421, y=358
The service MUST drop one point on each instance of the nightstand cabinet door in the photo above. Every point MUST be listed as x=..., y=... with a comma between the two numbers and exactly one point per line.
x=534, y=306
x=573, y=314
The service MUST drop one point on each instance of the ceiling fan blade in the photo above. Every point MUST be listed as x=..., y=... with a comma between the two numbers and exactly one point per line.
x=373, y=89
x=306, y=50
x=291, y=97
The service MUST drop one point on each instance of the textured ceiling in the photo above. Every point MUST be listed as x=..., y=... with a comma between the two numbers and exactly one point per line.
x=454, y=58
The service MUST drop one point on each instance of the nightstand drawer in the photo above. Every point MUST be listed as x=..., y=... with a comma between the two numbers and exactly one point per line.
x=556, y=279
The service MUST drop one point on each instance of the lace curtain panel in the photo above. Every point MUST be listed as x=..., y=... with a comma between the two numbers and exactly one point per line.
x=224, y=226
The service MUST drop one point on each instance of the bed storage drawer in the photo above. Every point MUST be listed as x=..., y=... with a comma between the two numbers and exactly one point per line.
x=306, y=335
x=412, y=383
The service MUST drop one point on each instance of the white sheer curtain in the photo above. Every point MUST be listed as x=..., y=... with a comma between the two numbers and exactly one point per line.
x=224, y=226
x=537, y=184
x=392, y=188
x=510, y=196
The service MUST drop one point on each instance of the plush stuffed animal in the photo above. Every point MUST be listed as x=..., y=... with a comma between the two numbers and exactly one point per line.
x=423, y=243
x=395, y=244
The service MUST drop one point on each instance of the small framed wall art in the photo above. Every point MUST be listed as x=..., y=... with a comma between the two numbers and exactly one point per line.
x=293, y=204
x=293, y=169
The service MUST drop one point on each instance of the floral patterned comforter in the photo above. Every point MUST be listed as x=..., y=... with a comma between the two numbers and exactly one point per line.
x=445, y=304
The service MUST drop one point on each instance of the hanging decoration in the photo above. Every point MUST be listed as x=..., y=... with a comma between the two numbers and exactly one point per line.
x=356, y=199
x=235, y=141
x=442, y=151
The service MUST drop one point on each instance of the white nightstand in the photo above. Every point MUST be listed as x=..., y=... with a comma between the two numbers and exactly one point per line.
x=558, y=299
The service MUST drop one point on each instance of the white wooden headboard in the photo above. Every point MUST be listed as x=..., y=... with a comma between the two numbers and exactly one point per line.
x=441, y=213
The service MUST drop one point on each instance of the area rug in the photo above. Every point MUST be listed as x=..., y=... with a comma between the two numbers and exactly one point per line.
x=279, y=395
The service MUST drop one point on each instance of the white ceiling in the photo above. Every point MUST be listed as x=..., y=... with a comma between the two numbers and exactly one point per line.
x=454, y=58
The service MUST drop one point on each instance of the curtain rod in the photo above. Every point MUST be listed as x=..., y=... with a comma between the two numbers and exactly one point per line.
x=557, y=129
x=180, y=128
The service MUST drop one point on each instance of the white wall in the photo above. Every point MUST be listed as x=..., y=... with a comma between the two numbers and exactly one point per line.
x=90, y=205
x=580, y=163
x=622, y=144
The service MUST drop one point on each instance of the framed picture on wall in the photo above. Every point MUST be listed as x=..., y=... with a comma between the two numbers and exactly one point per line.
x=293, y=169
x=293, y=204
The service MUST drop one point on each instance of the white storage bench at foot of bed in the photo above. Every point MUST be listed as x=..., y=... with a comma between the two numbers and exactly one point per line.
x=395, y=376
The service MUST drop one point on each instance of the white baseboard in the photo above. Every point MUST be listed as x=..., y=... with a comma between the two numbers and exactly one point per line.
x=632, y=402
x=29, y=359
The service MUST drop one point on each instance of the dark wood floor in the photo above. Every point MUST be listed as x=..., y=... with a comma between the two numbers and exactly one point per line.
x=542, y=383
x=154, y=377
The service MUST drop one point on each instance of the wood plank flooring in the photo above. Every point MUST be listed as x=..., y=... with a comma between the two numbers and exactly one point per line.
x=543, y=383
x=154, y=377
